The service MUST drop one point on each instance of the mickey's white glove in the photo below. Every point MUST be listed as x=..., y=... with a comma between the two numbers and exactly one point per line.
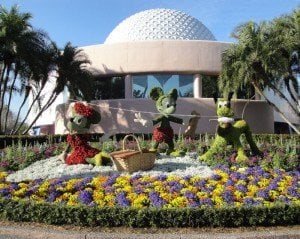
x=140, y=119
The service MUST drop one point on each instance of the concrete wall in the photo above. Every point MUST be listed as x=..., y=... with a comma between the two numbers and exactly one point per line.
x=157, y=56
x=118, y=115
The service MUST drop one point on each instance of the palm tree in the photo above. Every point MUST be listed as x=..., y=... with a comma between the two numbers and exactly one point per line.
x=72, y=72
x=262, y=57
x=35, y=76
x=18, y=45
x=13, y=26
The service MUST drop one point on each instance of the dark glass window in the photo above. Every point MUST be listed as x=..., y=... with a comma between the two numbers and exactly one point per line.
x=109, y=87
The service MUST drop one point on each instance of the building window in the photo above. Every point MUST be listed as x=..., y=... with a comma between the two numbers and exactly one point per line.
x=142, y=84
x=109, y=87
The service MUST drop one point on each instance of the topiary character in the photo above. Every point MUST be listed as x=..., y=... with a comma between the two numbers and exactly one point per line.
x=228, y=132
x=82, y=116
x=166, y=105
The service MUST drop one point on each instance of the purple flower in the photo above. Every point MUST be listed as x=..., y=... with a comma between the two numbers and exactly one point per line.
x=122, y=200
x=85, y=197
x=53, y=195
x=216, y=177
x=175, y=186
x=111, y=180
x=194, y=204
x=138, y=190
x=228, y=197
x=206, y=202
x=248, y=202
x=263, y=193
x=190, y=195
x=156, y=200
x=229, y=182
x=5, y=192
x=82, y=184
x=200, y=184
x=293, y=192
x=241, y=188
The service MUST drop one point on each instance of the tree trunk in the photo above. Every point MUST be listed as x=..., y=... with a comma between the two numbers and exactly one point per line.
x=281, y=95
x=51, y=99
x=14, y=131
x=278, y=110
x=3, y=94
x=9, y=101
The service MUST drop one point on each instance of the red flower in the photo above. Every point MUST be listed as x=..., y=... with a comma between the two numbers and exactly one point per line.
x=163, y=134
x=80, y=149
x=83, y=109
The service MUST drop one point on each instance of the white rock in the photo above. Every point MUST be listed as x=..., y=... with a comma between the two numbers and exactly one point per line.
x=49, y=168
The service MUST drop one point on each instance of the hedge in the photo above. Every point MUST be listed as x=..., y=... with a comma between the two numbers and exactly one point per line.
x=279, y=214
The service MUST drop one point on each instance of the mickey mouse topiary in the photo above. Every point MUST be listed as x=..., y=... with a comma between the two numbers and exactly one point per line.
x=228, y=132
x=163, y=132
x=82, y=116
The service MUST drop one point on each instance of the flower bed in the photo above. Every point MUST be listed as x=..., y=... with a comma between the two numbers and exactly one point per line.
x=265, y=195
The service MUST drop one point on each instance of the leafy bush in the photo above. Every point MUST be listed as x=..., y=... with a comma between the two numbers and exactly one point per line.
x=276, y=215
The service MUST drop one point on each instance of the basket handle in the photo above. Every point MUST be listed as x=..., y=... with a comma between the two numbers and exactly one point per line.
x=135, y=138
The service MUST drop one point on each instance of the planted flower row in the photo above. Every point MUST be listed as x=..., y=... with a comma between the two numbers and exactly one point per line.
x=278, y=152
x=228, y=186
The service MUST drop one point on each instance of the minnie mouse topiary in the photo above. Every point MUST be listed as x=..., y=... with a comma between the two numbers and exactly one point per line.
x=82, y=116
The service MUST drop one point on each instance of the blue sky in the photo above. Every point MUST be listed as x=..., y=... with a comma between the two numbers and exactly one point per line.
x=89, y=22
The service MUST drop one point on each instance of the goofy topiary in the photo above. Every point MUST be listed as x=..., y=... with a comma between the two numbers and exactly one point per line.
x=229, y=132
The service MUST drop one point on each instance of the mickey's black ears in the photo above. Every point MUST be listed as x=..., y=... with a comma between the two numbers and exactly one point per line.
x=215, y=95
x=230, y=96
x=155, y=93
x=174, y=94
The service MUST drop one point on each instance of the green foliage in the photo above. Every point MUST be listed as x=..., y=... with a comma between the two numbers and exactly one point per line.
x=262, y=58
x=280, y=214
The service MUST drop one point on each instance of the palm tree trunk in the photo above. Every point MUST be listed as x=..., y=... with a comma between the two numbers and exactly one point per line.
x=281, y=95
x=9, y=101
x=28, y=111
x=277, y=109
x=3, y=94
x=51, y=99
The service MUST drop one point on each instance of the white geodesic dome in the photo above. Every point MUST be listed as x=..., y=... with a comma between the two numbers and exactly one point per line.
x=159, y=24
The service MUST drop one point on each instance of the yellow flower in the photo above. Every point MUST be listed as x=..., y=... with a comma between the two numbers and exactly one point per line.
x=218, y=201
x=273, y=194
x=70, y=184
x=73, y=200
x=3, y=175
x=141, y=201
x=179, y=202
x=264, y=182
x=19, y=193
x=43, y=189
x=238, y=195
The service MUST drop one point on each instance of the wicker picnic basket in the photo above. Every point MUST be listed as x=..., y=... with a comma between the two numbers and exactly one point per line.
x=133, y=160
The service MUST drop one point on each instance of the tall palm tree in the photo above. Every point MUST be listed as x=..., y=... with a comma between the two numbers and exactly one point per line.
x=13, y=25
x=34, y=77
x=72, y=72
x=18, y=44
x=262, y=58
